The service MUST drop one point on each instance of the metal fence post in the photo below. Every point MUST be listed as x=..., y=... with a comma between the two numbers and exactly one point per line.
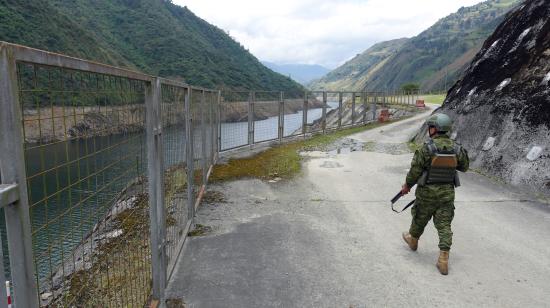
x=281, y=131
x=219, y=125
x=339, y=109
x=156, y=188
x=203, y=139
x=304, y=115
x=352, y=108
x=324, y=114
x=190, y=155
x=374, y=102
x=364, y=103
x=211, y=123
x=251, y=118
x=12, y=171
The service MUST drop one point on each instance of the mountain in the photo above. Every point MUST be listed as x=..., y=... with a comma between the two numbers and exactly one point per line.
x=303, y=73
x=152, y=36
x=501, y=105
x=358, y=70
x=435, y=58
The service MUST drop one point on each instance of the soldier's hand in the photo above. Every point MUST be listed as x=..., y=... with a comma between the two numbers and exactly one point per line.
x=405, y=189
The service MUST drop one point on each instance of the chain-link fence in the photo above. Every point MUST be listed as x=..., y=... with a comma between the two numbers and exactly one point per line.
x=251, y=117
x=103, y=168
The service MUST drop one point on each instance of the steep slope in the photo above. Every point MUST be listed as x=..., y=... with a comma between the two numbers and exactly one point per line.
x=502, y=103
x=38, y=24
x=303, y=73
x=353, y=74
x=154, y=36
x=436, y=57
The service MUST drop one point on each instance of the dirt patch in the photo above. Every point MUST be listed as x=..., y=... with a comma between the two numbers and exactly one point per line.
x=200, y=230
x=213, y=197
x=175, y=303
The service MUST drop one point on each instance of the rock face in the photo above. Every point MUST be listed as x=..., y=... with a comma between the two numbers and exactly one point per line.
x=501, y=105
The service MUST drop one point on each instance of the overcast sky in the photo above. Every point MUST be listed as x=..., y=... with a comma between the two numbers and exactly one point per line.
x=326, y=32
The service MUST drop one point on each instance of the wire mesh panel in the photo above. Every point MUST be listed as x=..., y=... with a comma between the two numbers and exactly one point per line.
x=234, y=120
x=347, y=102
x=210, y=118
x=293, y=113
x=315, y=107
x=175, y=168
x=266, y=116
x=333, y=110
x=197, y=130
x=85, y=158
x=357, y=108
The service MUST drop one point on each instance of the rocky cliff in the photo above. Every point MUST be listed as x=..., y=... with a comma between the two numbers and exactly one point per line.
x=434, y=59
x=501, y=105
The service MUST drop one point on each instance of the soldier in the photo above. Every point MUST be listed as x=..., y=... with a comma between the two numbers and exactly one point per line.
x=434, y=168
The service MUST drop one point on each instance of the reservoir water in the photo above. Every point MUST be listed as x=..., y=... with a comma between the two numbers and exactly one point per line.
x=73, y=184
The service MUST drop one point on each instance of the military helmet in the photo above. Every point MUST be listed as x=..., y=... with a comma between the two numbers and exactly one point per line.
x=441, y=122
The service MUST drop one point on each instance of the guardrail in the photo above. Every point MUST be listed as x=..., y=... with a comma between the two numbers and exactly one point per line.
x=103, y=168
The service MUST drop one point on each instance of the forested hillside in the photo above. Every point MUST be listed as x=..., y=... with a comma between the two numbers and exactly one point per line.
x=153, y=36
x=434, y=59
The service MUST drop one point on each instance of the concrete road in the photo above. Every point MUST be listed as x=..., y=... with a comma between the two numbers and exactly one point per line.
x=329, y=239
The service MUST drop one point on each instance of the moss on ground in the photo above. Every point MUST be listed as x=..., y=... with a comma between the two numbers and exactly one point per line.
x=434, y=98
x=200, y=230
x=282, y=161
x=120, y=265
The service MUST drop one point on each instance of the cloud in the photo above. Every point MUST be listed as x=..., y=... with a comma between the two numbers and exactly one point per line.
x=325, y=32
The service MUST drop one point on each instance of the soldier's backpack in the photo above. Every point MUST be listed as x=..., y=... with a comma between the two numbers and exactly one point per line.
x=442, y=169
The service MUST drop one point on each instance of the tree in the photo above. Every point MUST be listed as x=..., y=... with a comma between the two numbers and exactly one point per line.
x=410, y=88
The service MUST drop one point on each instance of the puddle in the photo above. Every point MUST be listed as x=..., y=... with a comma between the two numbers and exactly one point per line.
x=390, y=148
x=347, y=146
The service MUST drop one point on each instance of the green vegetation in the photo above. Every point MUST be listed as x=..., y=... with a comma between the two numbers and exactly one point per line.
x=411, y=87
x=120, y=265
x=434, y=98
x=435, y=58
x=353, y=74
x=200, y=230
x=153, y=36
x=282, y=161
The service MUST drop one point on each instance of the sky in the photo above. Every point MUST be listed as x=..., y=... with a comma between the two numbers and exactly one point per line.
x=325, y=32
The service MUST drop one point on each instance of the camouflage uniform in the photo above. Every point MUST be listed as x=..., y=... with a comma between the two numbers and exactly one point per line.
x=434, y=200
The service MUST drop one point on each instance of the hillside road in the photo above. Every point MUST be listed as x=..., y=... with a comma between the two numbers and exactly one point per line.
x=328, y=238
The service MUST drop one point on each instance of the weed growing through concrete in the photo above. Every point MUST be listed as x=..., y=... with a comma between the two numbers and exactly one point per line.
x=200, y=230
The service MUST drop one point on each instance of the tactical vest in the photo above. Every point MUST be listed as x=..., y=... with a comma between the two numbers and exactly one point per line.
x=442, y=169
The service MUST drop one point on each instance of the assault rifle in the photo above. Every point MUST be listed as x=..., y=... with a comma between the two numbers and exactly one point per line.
x=394, y=199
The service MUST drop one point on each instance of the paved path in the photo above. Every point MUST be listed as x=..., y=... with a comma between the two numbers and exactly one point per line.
x=329, y=239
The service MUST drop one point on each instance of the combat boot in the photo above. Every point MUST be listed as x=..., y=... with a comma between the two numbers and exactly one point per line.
x=443, y=262
x=411, y=241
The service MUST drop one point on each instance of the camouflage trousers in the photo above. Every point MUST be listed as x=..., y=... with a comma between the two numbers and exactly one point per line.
x=435, y=201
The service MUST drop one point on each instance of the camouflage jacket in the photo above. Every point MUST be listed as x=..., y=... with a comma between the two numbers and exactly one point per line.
x=422, y=160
